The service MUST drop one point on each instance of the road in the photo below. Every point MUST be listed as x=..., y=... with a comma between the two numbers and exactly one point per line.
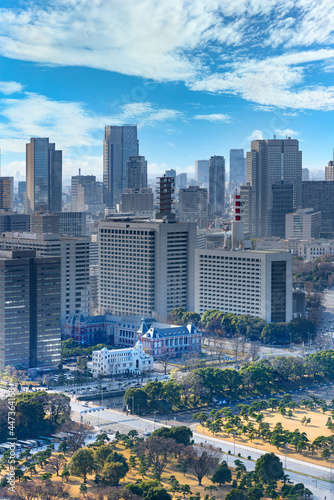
x=317, y=478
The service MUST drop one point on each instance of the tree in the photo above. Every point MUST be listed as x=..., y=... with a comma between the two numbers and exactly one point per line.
x=140, y=398
x=101, y=454
x=181, y=433
x=157, y=493
x=235, y=494
x=200, y=461
x=275, y=333
x=269, y=468
x=222, y=474
x=82, y=463
x=57, y=462
x=159, y=452
x=112, y=472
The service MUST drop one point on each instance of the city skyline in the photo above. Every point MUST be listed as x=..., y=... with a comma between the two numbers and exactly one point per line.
x=210, y=78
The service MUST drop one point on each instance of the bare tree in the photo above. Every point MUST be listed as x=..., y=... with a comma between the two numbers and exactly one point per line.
x=253, y=351
x=159, y=451
x=200, y=461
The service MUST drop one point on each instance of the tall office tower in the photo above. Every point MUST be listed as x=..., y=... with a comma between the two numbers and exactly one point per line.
x=269, y=162
x=41, y=222
x=193, y=206
x=138, y=201
x=43, y=176
x=217, y=185
x=237, y=167
x=181, y=180
x=202, y=171
x=146, y=267
x=320, y=196
x=305, y=174
x=329, y=171
x=74, y=254
x=136, y=172
x=6, y=193
x=30, y=324
x=303, y=224
x=282, y=204
x=21, y=191
x=257, y=283
x=119, y=144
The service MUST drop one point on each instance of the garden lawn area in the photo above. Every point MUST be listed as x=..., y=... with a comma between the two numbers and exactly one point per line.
x=317, y=427
x=132, y=476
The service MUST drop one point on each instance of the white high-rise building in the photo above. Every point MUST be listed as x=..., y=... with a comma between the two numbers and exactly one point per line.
x=74, y=254
x=244, y=282
x=146, y=267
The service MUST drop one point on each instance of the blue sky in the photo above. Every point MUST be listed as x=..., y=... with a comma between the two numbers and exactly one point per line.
x=199, y=77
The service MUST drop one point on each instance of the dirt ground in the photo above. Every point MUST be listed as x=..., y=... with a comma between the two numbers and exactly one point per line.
x=74, y=483
x=317, y=427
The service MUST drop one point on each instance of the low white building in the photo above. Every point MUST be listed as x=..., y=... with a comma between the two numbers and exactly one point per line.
x=120, y=361
x=311, y=249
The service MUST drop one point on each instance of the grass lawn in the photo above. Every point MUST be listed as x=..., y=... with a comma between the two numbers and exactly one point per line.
x=316, y=428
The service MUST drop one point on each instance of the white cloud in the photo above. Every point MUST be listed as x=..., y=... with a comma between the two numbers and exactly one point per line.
x=255, y=136
x=276, y=81
x=69, y=124
x=8, y=88
x=215, y=117
x=15, y=166
x=288, y=132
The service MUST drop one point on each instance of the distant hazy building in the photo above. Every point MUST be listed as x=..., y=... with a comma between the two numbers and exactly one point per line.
x=269, y=162
x=21, y=191
x=181, y=180
x=119, y=144
x=237, y=167
x=193, y=206
x=137, y=201
x=74, y=254
x=245, y=282
x=6, y=193
x=30, y=310
x=136, y=172
x=43, y=176
x=170, y=173
x=282, y=204
x=217, y=185
x=320, y=196
x=202, y=171
x=86, y=194
x=306, y=174
x=329, y=171
x=303, y=224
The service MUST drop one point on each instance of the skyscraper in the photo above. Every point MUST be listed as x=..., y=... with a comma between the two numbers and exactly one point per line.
x=329, y=171
x=86, y=194
x=119, y=144
x=136, y=172
x=237, y=167
x=193, y=205
x=6, y=193
x=30, y=323
x=269, y=162
x=217, y=185
x=202, y=171
x=43, y=176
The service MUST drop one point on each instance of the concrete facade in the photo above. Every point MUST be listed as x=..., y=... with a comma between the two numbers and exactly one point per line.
x=244, y=282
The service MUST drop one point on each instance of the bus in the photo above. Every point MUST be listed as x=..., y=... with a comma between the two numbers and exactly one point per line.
x=47, y=440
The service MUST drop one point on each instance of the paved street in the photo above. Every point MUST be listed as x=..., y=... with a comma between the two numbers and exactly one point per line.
x=316, y=478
